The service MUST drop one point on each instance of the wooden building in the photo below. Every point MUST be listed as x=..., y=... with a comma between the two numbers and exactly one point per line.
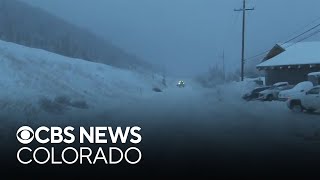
x=291, y=62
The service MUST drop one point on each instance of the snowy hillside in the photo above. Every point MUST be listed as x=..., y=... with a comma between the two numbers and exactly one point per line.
x=33, y=27
x=33, y=77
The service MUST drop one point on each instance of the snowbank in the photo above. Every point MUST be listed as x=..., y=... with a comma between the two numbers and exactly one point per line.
x=30, y=78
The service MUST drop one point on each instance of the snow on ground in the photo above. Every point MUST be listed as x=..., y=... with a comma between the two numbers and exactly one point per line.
x=26, y=71
x=34, y=83
x=30, y=76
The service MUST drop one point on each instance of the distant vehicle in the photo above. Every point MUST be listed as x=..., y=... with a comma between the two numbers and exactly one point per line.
x=254, y=94
x=298, y=89
x=181, y=84
x=308, y=101
x=273, y=92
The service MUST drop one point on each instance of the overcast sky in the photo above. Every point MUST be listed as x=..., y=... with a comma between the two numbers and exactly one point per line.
x=187, y=36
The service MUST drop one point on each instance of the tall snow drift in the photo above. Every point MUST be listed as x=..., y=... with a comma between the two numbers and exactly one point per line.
x=27, y=74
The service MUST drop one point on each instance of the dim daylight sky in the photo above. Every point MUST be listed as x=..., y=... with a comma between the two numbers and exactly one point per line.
x=188, y=36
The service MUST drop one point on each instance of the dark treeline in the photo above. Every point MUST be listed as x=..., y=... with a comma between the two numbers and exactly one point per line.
x=26, y=25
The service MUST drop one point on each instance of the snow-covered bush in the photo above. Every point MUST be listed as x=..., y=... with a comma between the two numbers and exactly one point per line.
x=156, y=89
x=60, y=104
x=216, y=76
x=52, y=106
x=79, y=104
x=63, y=100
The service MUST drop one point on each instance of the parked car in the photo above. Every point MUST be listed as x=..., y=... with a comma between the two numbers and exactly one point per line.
x=254, y=94
x=308, y=101
x=298, y=89
x=273, y=92
x=314, y=77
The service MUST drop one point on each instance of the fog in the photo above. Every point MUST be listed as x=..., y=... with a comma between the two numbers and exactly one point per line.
x=203, y=128
x=188, y=36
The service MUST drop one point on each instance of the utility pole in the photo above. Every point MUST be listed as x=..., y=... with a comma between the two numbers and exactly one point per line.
x=223, y=65
x=244, y=9
x=222, y=58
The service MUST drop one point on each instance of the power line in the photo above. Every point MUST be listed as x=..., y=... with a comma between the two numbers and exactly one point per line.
x=310, y=35
x=305, y=32
x=302, y=34
x=305, y=26
x=260, y=54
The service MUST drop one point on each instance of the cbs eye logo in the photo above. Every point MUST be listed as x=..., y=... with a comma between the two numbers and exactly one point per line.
x=25, y=135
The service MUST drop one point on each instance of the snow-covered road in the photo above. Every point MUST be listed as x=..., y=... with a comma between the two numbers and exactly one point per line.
x=222, y=116
x=195, y=126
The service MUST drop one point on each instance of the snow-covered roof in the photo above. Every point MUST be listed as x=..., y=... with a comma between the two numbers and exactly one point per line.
x=303, y=53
